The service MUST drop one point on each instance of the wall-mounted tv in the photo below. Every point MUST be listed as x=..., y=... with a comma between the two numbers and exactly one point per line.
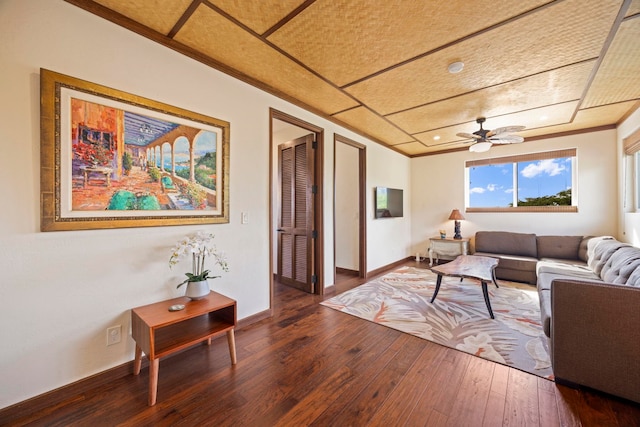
x=388, y=202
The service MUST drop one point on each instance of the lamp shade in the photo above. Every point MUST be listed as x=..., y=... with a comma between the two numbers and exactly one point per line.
x=480, y=147
x=456, y=215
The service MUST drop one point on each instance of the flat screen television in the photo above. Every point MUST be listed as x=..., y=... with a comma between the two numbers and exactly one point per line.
x=388, y=202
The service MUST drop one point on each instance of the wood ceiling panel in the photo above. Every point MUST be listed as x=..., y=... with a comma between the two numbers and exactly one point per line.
x=523, y=47
x=412, y=148
x=214, y=35
x=351, y=39
x=523, y=59
x=552, y=87
x=374, y=125
x=618, y=78
x=634, y=8
x=585, y=119
x=553, y=115
x=258, y=15
x=160, y=15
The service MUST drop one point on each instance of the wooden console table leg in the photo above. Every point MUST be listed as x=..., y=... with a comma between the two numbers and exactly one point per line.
x=232, y=345
x=153, y=380
x=137, y=362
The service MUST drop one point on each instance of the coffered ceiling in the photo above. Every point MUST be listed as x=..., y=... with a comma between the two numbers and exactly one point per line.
x=380, y=67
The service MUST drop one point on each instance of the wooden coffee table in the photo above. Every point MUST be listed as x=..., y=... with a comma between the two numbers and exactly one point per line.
x=481, y=268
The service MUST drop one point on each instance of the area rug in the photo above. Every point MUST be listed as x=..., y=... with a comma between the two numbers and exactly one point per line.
x=458, y=318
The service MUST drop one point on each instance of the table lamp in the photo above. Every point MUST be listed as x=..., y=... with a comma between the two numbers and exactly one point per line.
x=456, y=216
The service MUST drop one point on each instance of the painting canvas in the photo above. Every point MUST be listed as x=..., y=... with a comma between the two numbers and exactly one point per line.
x=112, y=159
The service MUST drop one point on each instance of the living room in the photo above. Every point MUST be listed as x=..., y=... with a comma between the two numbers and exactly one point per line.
x=62, y=290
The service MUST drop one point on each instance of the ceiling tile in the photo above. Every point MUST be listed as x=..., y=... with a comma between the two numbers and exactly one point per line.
x=585, y=119
x=552, y=87
x=375, y=125
x=345, y=40
x=634, y=8
x=526, y=46
x=555, y=114
x=160, y=15
x=380, y=66
x=211, y=33
x=618, y=78
x=258, y=15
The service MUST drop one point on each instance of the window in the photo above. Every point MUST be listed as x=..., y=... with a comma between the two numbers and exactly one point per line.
x=636, y=180
x=538, y=182
x=631, y=147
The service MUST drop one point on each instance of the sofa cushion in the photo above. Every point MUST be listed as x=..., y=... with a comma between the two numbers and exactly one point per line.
x=634, y=279
x=512, y=262
x=575, y=268
x=600, y=250
x=562, y=247
x=545, y=311
x=582, y=249
x=620, y=265
x=504, y=242
x=545, y=282
x=515, y=268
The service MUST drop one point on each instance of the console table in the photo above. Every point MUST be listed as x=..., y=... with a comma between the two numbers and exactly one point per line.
x=447, y=247
x=159, y=332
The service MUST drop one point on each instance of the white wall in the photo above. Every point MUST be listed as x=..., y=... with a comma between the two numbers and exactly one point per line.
x=439, y=183
x=347, y=216
x=629, y=218
x=388, y=239
x=61, y=290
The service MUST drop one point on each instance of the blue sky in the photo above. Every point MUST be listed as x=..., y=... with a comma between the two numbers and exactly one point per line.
x=493, y=185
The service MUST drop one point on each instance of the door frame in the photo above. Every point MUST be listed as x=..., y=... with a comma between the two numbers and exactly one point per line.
x=362, y=199
x=318, y=212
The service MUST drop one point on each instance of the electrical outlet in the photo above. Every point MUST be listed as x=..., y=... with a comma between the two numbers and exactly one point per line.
x=114, y=334
x=245, y=217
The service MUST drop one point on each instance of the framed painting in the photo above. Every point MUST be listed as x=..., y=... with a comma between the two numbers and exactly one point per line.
x=110, y=159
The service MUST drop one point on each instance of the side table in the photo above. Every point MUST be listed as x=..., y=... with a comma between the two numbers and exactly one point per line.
x=448, y=247
x=159, y=332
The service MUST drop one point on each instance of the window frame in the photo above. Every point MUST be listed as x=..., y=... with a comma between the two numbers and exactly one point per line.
x=514, y=160
x=631, y=148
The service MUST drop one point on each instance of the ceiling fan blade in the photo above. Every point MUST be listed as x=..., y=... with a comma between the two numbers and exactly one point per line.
x=507, y=139
x=468, y=135
x=507, y=129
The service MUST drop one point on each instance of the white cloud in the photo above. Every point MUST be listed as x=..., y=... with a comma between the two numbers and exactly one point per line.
x=477, y=190
x=492, y=187
x=549, y=167
x=509, y=190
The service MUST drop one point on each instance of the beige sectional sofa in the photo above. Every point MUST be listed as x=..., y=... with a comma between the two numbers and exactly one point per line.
x=589, y=290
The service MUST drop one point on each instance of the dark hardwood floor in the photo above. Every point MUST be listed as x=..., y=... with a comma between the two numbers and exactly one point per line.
x=309, y=365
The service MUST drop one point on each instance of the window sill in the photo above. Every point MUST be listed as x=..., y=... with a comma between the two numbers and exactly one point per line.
x=524, y=209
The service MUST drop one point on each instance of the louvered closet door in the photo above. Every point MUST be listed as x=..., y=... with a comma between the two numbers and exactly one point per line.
x=295, y=241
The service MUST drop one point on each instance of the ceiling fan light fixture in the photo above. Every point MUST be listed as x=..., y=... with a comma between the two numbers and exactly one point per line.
x=480, y=147
x=455, y=67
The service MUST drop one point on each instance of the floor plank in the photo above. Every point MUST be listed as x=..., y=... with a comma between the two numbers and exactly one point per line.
x=311, y=365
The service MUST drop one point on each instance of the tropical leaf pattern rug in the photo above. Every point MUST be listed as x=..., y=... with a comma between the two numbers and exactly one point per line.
x=458, y=318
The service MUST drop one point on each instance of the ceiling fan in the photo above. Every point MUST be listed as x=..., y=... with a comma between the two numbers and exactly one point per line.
x=483, y=139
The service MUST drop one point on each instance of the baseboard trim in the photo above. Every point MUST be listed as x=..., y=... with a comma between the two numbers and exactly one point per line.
x=383, y=269
x=243, y=323
x=340, y=270
x=69, y=393
x=65, y=394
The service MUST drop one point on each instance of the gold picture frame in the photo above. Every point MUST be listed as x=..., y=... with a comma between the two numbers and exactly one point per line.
x=111, y=159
